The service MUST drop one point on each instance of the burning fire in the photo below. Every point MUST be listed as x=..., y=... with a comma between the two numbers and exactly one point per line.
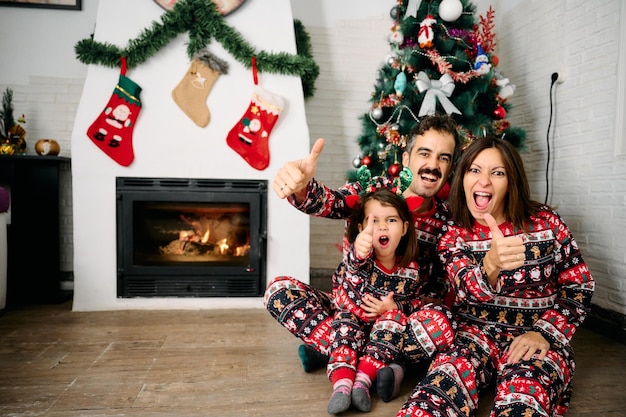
x=206, y=237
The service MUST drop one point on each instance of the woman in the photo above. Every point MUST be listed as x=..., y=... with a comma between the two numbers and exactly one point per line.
x=522, y=289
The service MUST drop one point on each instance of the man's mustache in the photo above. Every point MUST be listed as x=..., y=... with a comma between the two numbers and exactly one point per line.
x=434, y=172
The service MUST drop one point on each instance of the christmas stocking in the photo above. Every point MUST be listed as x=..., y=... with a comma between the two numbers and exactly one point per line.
x=192, y=91
x=250, y=136
x=112, y=131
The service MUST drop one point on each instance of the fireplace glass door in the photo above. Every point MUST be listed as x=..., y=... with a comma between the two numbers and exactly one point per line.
x=191, y=238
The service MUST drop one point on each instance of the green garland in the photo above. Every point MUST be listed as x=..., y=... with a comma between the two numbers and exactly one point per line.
x=203, y=23
x=303, y=46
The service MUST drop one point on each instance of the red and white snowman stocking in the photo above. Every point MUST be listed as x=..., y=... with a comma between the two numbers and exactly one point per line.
x=250, y=136
x=113, y=129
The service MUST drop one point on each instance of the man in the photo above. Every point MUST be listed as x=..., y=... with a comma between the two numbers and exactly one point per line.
x=306, y=311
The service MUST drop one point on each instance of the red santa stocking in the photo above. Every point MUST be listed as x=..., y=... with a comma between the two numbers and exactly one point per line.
x=113, y=129
x=250, y=136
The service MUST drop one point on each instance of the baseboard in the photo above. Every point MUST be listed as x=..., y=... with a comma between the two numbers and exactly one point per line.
x=322, y=278
x=610, y=324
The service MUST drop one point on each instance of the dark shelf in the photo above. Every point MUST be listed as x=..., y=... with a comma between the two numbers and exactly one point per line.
x=33, y=271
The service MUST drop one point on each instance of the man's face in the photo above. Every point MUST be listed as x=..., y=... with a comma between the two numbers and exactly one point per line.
x=431, y=163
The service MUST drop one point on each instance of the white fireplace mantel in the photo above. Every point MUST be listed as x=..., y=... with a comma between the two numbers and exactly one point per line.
x=167, y=143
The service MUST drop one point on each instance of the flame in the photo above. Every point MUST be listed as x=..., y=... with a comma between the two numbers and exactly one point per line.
x=222, y=245
x=242, y=250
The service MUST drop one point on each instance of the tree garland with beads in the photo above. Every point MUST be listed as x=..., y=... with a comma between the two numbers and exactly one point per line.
x=203, y=23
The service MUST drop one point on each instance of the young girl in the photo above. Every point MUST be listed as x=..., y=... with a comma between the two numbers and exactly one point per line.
x=379, y=276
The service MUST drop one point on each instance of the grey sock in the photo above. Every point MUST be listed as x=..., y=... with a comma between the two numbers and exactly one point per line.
x=361, y=398
x=339, y=402
x=388, y=381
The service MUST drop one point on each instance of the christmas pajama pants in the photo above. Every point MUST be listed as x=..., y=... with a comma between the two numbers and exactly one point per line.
x=393, y=337
x=456, y=377
x=303, y=310
x=311, y=315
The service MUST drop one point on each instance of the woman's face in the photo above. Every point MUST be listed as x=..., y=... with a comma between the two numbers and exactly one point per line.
x=486, y=185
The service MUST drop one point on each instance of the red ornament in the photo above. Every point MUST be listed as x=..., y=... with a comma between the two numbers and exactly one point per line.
x=495, y=60
x=499, y=112
x=394, y=170
x=366, y=160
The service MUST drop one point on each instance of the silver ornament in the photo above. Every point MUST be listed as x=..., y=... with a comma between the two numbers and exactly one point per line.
x=383, y=152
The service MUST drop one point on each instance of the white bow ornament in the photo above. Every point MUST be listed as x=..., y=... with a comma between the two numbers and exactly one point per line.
x=435, y=89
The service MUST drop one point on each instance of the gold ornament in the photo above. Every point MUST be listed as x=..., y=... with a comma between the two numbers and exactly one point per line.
x=47, y=147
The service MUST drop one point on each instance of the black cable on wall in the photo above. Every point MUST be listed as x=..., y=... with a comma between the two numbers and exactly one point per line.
x=554, y=77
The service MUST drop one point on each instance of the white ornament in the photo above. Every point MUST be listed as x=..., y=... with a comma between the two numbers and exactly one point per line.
x=425, y=35
x=450, y=10
x=377, y=113
x=506, y=88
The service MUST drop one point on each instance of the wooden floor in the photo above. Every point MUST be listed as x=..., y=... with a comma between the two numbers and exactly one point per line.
x=225, y=363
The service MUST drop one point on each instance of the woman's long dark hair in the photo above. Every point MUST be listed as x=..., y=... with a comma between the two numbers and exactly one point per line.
x=407, y=248
x=518, y=206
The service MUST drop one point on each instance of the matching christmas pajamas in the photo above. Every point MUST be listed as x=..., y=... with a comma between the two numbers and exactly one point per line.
x=550, y=294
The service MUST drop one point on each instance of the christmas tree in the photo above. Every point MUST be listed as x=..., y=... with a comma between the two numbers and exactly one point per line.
x=442, y=60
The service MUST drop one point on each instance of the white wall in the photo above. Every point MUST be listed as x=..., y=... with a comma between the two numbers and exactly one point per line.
x=40, y=65
x=588, y=179
x=349, y=44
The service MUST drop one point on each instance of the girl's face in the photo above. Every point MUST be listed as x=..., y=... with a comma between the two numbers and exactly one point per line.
x=486, y=185
x=388, y=229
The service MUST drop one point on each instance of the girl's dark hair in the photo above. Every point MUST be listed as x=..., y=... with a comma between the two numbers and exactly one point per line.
x=518, y=206
x=407, y=248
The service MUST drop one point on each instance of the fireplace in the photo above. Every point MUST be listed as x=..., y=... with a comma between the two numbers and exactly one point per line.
x=191, y=237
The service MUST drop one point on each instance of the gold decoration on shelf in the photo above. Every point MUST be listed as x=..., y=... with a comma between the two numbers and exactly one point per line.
x=47, y=147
